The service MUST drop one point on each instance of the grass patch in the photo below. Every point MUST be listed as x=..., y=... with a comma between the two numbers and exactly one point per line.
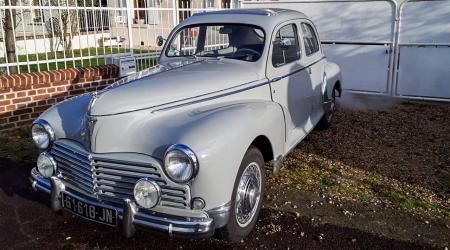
x=409, y=202
x=369, y=189
x=407, y=102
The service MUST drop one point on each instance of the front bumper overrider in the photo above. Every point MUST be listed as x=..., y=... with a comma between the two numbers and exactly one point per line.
x=131, y=216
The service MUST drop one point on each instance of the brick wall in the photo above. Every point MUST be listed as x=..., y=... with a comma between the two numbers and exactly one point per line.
x=23, y=97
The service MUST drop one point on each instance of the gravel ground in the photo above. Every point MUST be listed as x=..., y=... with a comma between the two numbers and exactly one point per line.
x=375, y=180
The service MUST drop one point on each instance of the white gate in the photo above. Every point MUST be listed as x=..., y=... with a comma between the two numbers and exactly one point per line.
x=423, y=50
x=358, y=35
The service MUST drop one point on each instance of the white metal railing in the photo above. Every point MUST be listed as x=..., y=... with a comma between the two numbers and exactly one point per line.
x=41, y=35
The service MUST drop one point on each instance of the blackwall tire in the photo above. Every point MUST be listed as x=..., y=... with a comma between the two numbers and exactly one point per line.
x=327, y=118
x=247, y=197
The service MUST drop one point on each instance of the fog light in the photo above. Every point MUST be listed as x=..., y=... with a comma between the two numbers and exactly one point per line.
x=147, y=193
x=46, y=165
x=198, y=203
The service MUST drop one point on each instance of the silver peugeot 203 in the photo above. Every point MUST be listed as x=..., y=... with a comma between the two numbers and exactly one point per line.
x=182, y=147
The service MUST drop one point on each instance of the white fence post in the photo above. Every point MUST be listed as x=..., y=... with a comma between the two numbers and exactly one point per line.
x=130, y=29
x=175, y=12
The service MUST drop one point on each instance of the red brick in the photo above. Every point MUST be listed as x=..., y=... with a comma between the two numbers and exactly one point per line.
x=43, y=102
x=22, y=100
x=51, y=101
x=22, y=111
x=41, y=108
x=5, y=102
x=25, y=117
x=13, y=119
x=77, y=92
x=17, y=81
x=51, y=90
x=10, y=96
x=59, y=83
x=42, y=85
x=24, y=123
x=5, y=90
x=35, y=78
x=41, y=91
x=22, y=105
x=2, y=109
x=41, y=97
x=11, y=107
x=7, y=126
x=6, y=114
x=61, y=89
x=21, y=94
x=32, y=92
x=34, y=115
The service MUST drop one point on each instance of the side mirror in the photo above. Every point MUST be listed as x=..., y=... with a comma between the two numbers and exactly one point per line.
x=285, y=43
x=160, y=41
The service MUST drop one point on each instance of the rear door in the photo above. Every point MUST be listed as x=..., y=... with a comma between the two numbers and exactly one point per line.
x=290, y=84
x=315, y=63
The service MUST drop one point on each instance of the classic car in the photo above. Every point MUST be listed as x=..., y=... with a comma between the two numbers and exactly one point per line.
x=183, y=147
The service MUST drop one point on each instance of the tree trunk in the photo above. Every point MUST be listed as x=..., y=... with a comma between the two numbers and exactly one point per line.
x=8, y=25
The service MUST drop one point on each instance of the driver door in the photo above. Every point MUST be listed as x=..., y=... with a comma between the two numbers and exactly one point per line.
x=290, y=82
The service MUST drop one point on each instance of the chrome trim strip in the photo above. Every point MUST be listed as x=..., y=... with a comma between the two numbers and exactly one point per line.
x=275, y=79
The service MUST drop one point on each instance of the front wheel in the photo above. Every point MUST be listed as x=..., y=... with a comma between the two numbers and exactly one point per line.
x=247, y=196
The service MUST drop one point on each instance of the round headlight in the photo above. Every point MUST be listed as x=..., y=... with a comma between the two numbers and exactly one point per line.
x=42, y=134
x=180, y=163
x=146, y=193
x=46, y=165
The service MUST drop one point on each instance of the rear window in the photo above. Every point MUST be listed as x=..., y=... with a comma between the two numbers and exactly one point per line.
x=310, y=39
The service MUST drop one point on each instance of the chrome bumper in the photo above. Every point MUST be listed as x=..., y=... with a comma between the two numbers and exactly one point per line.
x=131, y=216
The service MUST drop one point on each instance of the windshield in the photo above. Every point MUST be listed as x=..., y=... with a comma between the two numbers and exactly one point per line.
x=235, y=41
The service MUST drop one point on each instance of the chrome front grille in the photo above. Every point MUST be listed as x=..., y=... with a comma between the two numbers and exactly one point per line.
x=74, y=166
x=110, y=179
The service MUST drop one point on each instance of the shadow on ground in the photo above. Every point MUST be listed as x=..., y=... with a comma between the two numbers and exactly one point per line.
x=27, y=222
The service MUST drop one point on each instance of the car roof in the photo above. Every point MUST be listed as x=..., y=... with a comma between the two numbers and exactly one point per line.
x=266, y=18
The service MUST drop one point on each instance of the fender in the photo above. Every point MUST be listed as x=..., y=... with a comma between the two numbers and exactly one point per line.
x=331, y=79
x=333, y=76
x=220, y=140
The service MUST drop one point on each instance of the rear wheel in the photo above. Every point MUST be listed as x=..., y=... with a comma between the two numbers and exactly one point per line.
x=247, y=197
x=327, y=118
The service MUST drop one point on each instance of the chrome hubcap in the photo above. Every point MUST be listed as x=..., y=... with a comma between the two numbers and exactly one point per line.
x=248, y=194
x=332, y=108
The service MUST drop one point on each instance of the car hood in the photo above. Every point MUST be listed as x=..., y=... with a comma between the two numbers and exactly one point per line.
x=169, y=83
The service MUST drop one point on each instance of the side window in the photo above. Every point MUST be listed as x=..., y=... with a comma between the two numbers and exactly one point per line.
x=310, y=39
x=286, y=47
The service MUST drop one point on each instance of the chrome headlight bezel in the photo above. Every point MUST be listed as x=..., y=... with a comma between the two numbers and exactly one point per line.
x=155, y=191
x=43, y=127
x=189, y=155
x=51, y=161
